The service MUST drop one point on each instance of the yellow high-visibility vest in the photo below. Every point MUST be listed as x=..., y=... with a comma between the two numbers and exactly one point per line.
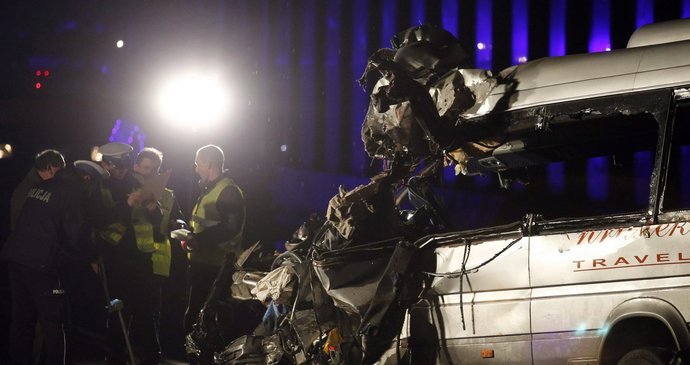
x=143, y=229
x=206, y=215
x=161, y=256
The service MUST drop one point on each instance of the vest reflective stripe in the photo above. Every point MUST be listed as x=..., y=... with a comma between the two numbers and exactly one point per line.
x=144, y=236
x=162, y=256
x=143, y=230
x=113, y=233
x=205, y=215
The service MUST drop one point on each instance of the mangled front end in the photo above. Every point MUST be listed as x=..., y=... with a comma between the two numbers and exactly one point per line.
x=424, y=90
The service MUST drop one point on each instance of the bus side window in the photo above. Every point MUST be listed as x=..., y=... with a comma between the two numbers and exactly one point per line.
x=677, y=193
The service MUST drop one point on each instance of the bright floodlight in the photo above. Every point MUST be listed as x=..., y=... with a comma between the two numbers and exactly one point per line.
x=194, y=100
x=120, y=43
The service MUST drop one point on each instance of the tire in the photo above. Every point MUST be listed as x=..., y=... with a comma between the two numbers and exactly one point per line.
x=647, y=356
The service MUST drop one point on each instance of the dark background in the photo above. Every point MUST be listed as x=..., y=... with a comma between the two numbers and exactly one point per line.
x=293, y=65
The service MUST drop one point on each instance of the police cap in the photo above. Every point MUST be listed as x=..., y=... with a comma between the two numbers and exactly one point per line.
x=116, y=153
x=92, y=168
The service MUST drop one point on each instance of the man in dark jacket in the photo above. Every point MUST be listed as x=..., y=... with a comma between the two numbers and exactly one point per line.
x=51, y=231
x=218, y=223
x=47, y=163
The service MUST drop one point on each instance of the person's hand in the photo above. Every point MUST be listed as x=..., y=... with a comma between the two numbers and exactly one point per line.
x=134, y=198
x=151, y=205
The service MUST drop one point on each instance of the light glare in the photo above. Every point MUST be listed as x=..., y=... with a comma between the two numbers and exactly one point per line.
x=194, y=99
x=120, y=43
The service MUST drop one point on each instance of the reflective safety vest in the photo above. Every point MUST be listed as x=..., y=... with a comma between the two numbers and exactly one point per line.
x=206, y=215
x=143, y=230
x=161, y=256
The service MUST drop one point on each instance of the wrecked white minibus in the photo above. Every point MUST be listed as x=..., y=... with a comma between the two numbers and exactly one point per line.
x=598, y=269
x=590, y=263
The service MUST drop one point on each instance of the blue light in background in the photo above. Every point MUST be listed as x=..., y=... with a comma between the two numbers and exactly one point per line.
x=307, y=79
x=449, y=16
x=519, y=31
x=449, y=175
x=127, y=132
x=556, y=177
x=685, y=9
x=333, y=91
x=67, y=25
x=557, y=28
x=598, y=178
x=389, y=12
x=449, y=21
x=600, y=39
x=482, y=180
x=360, y=99
x=484, y=35
x=282, y=42
x=418, y=12
x=645, y=12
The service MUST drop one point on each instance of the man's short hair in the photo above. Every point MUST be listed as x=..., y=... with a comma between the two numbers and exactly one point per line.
x=150, y=153
x=213, y=155
x=49, y=158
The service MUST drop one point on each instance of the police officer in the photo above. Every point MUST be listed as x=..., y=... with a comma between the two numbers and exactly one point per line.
x=146, y=166
x=218, y=223
x=52, y=232
x=128, y=250
x=47, y=163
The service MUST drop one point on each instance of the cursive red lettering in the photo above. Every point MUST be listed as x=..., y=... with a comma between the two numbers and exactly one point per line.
x=594, y=236
x=644, y=232
x=680, y=227
x=662, y=230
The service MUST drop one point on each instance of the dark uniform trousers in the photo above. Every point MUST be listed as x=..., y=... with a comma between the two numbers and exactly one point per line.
x=134, y=284
x=37, y=296
x=200, y=279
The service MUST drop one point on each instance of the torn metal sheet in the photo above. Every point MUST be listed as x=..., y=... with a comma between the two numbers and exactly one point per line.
x=276, y=286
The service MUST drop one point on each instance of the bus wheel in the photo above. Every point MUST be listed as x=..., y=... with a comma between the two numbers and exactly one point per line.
x=647, y=356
